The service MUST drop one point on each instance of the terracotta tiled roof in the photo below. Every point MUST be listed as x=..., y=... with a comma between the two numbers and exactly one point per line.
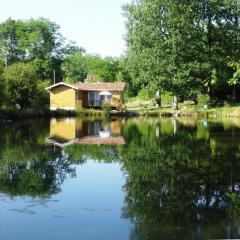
x=115, y=86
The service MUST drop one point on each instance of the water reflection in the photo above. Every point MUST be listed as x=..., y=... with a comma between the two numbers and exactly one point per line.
x=179, y=184
x=28, y=166
x=181, y=176
x=64, y=132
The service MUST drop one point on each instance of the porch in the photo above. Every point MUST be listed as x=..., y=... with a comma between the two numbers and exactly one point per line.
x=95, y=100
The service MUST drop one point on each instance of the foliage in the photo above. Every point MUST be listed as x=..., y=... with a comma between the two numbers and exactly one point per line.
x=236, y=75
x=41, y=96
x=182, y=46
x=166, y=98
x=30, y=51
x=143, y=94
x=21, y=83
x=106, y=106
x=75, y=68
x=104, y=69
x=203, y=99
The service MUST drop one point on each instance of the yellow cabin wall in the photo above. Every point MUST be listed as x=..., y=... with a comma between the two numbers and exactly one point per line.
x=63, y=129
x=117, y=97
x=62, y=97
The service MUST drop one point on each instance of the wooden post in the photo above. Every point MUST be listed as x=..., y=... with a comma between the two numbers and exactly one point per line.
x=54, y=76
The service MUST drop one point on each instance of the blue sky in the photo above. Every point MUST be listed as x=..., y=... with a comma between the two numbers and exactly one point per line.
x=96, y=25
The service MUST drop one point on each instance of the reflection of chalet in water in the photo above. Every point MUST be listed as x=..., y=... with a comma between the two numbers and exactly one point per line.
x=64, y=132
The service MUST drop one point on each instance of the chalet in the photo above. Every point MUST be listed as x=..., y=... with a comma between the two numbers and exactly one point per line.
x=85, y=95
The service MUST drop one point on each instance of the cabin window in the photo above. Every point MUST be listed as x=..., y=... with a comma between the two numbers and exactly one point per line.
x=93, y=99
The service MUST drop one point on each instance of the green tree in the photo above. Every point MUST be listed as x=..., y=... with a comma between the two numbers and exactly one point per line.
x=75, y=68
x=9, y=50
x=21, y=82
x=104, y=69
x=181, y=46
x=234, y=81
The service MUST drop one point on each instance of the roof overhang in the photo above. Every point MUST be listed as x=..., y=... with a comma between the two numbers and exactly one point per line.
x=61, y=84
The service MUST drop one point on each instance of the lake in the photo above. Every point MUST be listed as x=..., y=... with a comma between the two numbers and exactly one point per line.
x=136, y=178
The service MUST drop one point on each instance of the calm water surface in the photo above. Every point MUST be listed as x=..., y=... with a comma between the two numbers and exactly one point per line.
x=120, y=179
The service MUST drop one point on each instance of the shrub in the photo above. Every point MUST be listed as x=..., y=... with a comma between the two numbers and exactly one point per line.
x=143, y=94
x=167, y=98
x=203, y=99
x=106, y=107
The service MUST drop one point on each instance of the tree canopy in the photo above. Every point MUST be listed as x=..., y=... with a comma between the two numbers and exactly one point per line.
x=175, y=45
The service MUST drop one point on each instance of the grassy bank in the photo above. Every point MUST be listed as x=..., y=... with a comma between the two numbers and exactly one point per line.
x=188, y=109
x=185, y=110
x=191, y=111
x=12, y=114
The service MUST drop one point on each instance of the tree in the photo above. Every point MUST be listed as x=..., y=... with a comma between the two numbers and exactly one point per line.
x=21, y=83
x=9, y=50
x=157, y=45
x=181, y=46
x=75, y=68
x=104, y=69
x=39, y=38
x=31, y=50
x=78, y=65
x=38, y=41
x=234, y=81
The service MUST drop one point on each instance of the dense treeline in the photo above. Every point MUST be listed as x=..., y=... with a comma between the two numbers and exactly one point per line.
x=33, y=53
x=190, y=49
x=184, y=47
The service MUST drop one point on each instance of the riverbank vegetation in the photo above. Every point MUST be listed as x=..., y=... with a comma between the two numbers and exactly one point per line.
x=188, y=51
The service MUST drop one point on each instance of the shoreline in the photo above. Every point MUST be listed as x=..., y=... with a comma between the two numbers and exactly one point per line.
x=191, y=112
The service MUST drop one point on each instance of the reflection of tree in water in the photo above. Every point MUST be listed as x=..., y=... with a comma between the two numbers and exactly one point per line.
x=27, y=165
x=177, y=181
x=36, y=178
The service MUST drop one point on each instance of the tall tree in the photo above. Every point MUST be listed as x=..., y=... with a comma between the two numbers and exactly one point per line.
x=181, y=46
x=9, y=50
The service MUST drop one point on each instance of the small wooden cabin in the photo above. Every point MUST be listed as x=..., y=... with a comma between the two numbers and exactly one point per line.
x=85, y=95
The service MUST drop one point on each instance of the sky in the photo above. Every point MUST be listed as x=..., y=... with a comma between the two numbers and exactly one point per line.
x=96, y=25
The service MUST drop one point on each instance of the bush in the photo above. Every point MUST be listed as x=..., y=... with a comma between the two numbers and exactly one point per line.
x=203, y=99
x=143, y=94
x=167, y=98
x=106, y=107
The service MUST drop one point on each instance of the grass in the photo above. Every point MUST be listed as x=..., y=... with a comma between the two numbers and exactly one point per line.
x=188, y=109
x=134, y=108
x=12, y=114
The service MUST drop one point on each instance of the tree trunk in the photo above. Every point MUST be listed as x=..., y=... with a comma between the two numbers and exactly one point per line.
x=175, y=103
x=234, y=93
x=209, y=87
x=158, y=99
